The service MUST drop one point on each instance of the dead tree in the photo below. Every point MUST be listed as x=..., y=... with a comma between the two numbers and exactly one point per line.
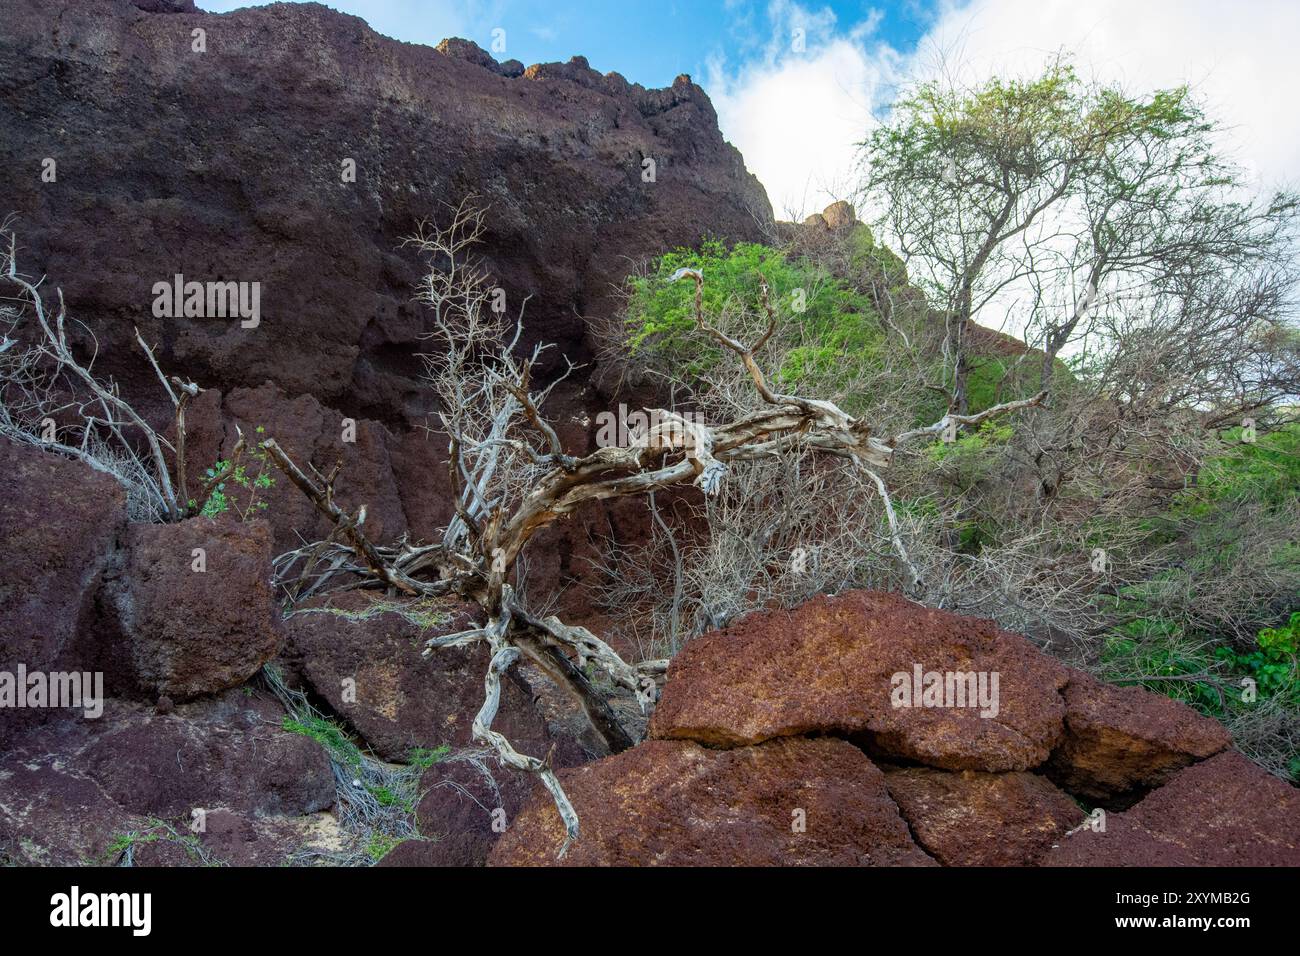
x=509, y=473
x=511, y=478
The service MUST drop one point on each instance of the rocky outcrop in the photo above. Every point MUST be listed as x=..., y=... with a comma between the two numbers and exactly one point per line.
x=311, y=432
x=1224, y=811
x=157, y=175
x=75, y=790
x=173, y=615
x=1118, y=739
x=829, y=667
x=292, y=152
x=60, y=522
x=812, y=695
x=194, y=605
x=675, y=803
x=178, y=610
x=362, y=655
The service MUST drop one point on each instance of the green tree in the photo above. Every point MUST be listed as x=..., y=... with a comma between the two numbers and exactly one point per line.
x=1070, y=194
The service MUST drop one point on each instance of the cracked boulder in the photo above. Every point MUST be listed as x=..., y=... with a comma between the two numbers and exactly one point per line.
x=836, y=665
x=194, y=605
x=1119, y=739
x=1224, y=811
x=787, y=802
x=982, y=819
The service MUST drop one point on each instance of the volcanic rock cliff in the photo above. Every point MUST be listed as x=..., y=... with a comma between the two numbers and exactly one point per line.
x=131, y=157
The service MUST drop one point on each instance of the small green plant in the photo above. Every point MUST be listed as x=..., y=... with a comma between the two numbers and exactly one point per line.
x=380, y=845
x=247, y=502
x=1272, y=664
x=122, y=846
x=329, y=735
x=1213, y=677
x=424, y=758
x=376, y=799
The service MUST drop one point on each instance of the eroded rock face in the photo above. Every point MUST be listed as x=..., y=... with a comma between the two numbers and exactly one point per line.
x=982, y=819
x=1121, y=738
x=1224, y=811
x=61, y=523
x=74, y=786
x=159, y=174
x=675, y=803
x=828, y=666
x=194, y=604
x=312, y=433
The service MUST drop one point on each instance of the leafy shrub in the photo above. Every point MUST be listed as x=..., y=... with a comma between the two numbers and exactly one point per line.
x=1214, y=679
x=827, y=328
x=1272, y=665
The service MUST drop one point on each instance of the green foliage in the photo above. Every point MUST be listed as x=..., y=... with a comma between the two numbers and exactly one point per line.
x=1209, y=676
x=1242, y=486
x=966, y=462
x=247, y=502
x=1266, y=470
x=424, y=758
x=328, y=734
x=834, y=327
x=876, y=262
x=1250, y=481
x=1272, y=665
x=1157, y=650
x=974, y=445
x=376, y=800
x=380, y=845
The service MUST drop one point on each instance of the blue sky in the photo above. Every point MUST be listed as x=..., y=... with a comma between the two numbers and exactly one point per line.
x=648, y=42
x=797, y=110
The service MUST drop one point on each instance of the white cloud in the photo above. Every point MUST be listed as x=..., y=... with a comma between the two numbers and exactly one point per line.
x=1239, y=57
x=796, y=117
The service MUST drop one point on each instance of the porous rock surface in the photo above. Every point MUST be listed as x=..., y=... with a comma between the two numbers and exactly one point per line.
x=789, y=802
x=784, y=700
